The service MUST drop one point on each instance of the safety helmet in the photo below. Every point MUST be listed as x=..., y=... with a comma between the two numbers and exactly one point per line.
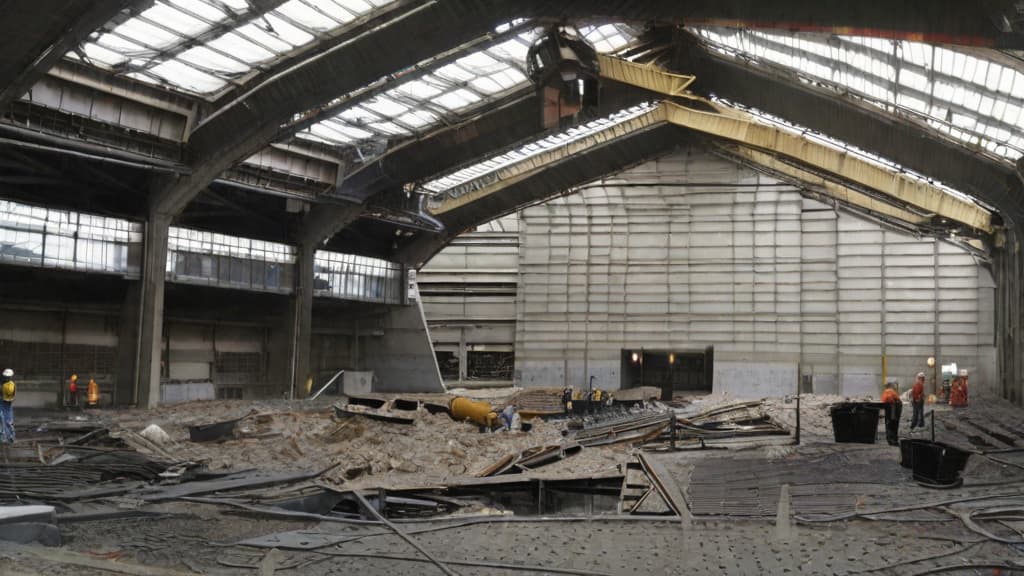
x=920, y=374
x=74, y=376
x=963, y=372
x=8, y=373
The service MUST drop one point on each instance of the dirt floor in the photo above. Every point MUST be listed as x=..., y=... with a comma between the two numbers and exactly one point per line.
x=756, y=506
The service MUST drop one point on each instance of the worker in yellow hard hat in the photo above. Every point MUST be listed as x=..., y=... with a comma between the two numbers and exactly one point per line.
x=8, y=390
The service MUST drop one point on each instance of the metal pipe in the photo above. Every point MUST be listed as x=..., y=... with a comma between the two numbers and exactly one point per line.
x=329, y=382
x=398, y=531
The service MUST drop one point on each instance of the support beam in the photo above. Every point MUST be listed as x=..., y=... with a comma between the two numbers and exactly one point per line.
x=151, y=327
x=740, y=127
x=252, y=120
x=845, y=194
x=918, y=148
x=43, y=31
x=301, y=318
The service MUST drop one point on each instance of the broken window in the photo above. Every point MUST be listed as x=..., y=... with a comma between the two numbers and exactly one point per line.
x=489, y=365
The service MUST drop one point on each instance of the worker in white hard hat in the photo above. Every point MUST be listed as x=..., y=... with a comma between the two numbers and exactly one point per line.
x=7, y=407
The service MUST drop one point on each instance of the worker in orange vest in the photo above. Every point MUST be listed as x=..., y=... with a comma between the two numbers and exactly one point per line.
x=958, y=391
x=893, y=411
x=73, y=391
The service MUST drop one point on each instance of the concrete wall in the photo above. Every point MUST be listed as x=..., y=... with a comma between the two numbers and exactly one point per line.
x=402, y=358
x=691, y=250
x=469, y=294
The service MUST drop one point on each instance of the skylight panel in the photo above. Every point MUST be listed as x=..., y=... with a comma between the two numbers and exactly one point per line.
x=515, y=49
x=206, y=10
x=358, y=114
x=306, y=15
x=355, y=133
x=286, y=31
x=479, y=60
x=241, y=47
x=355, y=6
x=335, y=11
x=386, y=106
x=205, y=58
x=182, y=74
x=100, y=54
x=931, y=80
x=418, y=89
x=417, y=118
x=457, y=99
x=327, y=133
x=486, y=85
x=148, y=34
x=455, y=73
x=494, y=163
x=389, y=128
x=177, y=20
x=259, y=35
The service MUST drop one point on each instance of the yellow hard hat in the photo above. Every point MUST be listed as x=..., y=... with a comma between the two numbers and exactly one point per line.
x=74, y=376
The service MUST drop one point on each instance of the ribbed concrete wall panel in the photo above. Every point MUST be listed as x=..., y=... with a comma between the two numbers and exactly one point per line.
x=766, y=276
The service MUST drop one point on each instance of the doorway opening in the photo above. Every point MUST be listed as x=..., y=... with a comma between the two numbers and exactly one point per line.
x=683, y=371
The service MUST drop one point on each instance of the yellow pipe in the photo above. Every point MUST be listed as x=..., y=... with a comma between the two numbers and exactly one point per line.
x=473, y=410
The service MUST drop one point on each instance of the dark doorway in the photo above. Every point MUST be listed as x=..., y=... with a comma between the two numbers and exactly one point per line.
x=448, y=363
x=672, y=371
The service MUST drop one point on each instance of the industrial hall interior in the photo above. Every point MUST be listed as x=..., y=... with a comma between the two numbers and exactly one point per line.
x=511, y=287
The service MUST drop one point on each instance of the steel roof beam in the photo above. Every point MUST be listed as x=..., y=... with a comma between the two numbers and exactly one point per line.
x=38, y=33
x=917, y=147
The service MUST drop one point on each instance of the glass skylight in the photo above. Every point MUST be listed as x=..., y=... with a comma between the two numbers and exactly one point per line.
x=201, y=46
x=444, y=94
x=532, y=149
x=975, y=100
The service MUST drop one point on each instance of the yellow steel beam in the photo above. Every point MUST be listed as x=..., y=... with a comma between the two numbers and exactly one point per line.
x=508, y=175
x=744, y=129
x=829, y=188
x=648, y=77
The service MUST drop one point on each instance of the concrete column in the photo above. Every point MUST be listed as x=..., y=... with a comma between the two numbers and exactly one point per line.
x=152, y=308
x=301, y=319
x=128, y=344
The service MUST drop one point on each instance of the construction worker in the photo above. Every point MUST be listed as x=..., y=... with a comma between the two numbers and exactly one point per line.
x=507, y=415
x=93, y=392
x=567, y=400
x=893, y=411
x=917, y=402
x=958, y=391
x=7, y=407
x=73, y=391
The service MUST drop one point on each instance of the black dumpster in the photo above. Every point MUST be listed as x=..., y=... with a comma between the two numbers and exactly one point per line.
x=907, y=451
x=855, y=421
x=212, y=432
x=938, y=463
